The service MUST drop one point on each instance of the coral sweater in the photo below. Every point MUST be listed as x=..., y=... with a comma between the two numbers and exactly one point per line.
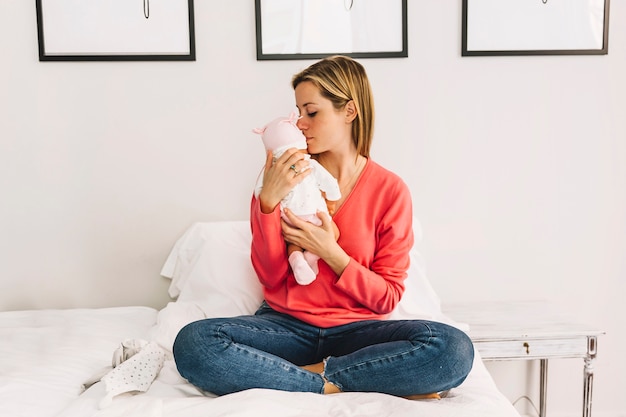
x=376, y=232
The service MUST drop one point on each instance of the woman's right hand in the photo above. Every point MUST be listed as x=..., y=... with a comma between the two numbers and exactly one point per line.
x=279, y=177
x=320, y=240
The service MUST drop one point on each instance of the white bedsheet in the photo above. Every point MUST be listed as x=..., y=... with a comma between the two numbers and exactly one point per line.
x=477, y=397
x=45, y=356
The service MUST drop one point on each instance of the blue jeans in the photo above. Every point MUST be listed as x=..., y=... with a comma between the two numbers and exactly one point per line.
x=402, y=357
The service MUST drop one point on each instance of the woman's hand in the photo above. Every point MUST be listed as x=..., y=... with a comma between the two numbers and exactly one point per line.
x=320, y=240
x=280, y=176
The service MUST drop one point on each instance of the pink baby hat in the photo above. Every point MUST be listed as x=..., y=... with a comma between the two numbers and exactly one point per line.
x=281, y=134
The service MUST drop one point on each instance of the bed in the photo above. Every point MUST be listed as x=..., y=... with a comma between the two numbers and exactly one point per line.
x=60, y=362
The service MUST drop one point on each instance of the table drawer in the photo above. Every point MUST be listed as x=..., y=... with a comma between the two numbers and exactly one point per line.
x=532, y=348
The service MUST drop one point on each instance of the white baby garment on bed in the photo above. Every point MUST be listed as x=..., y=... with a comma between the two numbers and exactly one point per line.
x=136, y=373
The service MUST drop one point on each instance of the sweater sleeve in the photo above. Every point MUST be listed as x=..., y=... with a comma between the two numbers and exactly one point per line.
x=268, y=252
x=377, y=282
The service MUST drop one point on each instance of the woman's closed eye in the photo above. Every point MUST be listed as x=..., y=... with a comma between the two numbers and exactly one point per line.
x=312, y=114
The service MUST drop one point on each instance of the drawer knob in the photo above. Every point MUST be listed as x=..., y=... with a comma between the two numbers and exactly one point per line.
x=527, y=346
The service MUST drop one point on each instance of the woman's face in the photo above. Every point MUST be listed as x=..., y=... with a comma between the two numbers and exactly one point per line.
x=325, y=128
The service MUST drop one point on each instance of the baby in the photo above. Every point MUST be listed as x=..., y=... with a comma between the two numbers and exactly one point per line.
x=317, y=192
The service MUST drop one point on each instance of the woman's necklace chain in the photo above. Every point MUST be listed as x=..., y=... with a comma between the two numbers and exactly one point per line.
x=356, y=171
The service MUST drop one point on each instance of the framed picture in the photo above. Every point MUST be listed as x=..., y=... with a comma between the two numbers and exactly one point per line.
x=115, y=30
x=535, y=27
x=312, y=29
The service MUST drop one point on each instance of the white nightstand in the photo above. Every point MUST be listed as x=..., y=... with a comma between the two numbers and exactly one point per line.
x=531, y=330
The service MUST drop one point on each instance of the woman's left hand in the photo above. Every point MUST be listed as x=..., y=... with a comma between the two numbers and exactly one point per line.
x=319, y=240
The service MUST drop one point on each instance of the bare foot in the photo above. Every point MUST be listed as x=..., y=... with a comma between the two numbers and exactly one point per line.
x=330, y=388
x=432, y=396
x=317, y=368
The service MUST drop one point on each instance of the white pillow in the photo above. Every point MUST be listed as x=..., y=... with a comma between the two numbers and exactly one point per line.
x=210, y=266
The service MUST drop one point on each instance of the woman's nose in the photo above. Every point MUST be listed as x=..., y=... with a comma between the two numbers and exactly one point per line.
x=301, y=125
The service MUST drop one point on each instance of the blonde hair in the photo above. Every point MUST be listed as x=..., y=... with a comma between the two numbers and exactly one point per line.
x=341, y=79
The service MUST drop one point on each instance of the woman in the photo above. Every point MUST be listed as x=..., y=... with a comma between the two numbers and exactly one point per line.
x=330, y=336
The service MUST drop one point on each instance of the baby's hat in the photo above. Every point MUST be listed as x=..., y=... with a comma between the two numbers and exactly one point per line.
x=281, y=134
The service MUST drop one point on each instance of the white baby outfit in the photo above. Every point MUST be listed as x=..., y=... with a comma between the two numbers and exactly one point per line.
x=305, y=199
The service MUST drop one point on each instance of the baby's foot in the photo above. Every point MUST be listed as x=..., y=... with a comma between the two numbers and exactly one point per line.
x=312, y=259
x=301, y=270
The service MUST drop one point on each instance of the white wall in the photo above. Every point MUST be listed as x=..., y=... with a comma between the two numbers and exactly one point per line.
x=517, y=167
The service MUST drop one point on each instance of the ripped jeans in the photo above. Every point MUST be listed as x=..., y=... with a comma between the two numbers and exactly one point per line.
x=266, y=350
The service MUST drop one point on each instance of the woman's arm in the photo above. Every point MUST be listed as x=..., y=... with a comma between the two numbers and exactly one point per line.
x=371, y=258
x=268, y=250
x=376, y=278
x=320, y=240
x=279, y=178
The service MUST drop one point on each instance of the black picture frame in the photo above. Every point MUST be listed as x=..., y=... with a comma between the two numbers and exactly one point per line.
x=398, y=13
x=558, y=28
x=65, y=33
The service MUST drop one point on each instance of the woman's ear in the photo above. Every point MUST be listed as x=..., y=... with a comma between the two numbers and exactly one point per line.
x=350, y=111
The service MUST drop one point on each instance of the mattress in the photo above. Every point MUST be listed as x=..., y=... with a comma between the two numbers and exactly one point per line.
x=47, y=355
x=59, y=362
